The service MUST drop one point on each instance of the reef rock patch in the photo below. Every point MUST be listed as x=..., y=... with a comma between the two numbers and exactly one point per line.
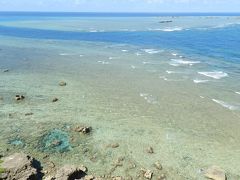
x=55, y=141
x=20, y=166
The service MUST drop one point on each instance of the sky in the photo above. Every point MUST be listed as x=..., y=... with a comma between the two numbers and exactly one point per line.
x=122, y=5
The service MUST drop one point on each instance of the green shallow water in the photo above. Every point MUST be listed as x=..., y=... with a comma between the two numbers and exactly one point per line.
x=124, y=99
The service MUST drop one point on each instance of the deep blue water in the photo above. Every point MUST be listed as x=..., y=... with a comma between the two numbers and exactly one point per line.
x=222, y=43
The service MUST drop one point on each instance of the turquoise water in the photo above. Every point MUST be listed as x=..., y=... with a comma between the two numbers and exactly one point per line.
x=137, y=82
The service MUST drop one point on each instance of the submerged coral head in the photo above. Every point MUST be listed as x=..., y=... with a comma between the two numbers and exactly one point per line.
x=55, y=141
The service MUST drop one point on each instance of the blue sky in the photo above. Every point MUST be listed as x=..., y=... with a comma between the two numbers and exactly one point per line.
x=122, y=5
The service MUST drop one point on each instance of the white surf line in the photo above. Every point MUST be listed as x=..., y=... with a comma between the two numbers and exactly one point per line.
x=175, y=72
x=152, y=51
x=167, y=29
x=174, y=64
x=173, y=29
x=171, y=72
x=214, y=74
x=237, y=93
x=103, y=62
x=184, y=62
x=198, y=81
x=226, y=105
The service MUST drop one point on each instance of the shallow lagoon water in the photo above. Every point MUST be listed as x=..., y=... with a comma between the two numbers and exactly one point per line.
x=130, y=93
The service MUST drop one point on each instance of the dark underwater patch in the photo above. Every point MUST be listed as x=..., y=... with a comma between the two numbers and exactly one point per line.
x=55, y=141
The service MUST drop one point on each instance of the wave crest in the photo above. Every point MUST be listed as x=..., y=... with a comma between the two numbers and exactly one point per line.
x=214, y=74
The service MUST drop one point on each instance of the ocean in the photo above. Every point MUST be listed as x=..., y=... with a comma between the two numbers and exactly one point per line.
x=167, y=81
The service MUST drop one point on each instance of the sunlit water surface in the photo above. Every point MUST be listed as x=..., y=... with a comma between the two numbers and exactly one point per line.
x=137, y=82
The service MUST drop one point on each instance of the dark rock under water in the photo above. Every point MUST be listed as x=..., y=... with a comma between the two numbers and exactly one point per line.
x=55, y=141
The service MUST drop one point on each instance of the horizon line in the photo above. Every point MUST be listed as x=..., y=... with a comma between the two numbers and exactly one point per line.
x=129, y=12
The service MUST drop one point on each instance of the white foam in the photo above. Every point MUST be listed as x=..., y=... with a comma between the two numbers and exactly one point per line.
x=110, y=58
x=202, y=97
x=214, y=74
x=138, y=54
x=93, y=31
x=144, y=62
x=175, y=72
x=156, y=29
x=148, y=98
x=168, y=29
x=197, y=81
x=174, y=64
x=237, y=92
x=133, y=67
x=176, y=55
x=143, y=94
x=163, y=77
x=152, y=51
x=172, y=29
x=66, y=54
x=170, y=72
x=184, y=62
x=226, y=105
x=103, y=62
x=124, y=50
